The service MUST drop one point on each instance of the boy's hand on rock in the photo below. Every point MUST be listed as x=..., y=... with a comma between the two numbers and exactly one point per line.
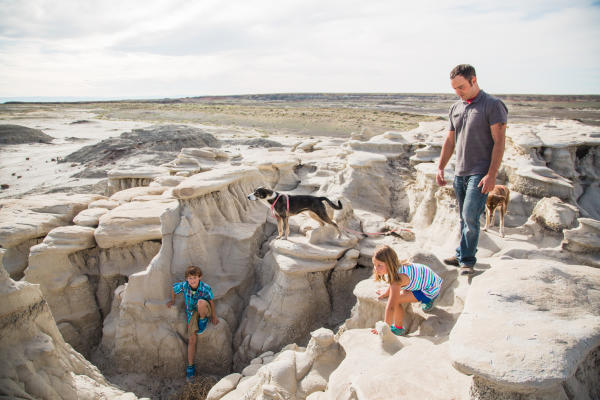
x=170, y=303
x=214, y=319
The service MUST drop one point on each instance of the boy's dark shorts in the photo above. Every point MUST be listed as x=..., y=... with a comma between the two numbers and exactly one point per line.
x=193, y=324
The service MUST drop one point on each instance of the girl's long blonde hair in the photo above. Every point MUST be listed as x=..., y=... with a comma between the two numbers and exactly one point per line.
x=388, y=256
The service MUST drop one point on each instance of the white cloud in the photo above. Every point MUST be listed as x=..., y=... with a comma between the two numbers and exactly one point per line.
x=168, y=48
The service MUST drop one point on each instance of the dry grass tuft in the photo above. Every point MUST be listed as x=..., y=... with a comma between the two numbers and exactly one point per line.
x=197, y=389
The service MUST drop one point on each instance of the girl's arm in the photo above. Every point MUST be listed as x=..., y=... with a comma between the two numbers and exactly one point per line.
x=394, y=291
x=383, y=293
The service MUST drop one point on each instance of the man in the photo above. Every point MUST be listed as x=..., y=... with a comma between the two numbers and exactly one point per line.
x=477, y=130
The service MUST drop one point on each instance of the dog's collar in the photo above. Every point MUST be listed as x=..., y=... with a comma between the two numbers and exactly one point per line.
x=273, y=198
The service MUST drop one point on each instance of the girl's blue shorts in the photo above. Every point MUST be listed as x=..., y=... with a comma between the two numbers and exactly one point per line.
x=420, y=296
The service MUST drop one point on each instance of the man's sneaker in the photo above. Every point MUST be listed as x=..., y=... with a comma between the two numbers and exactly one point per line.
x=451, y=261
x=466, y=269
x=190, y=371
x=427, y=306
x=398, y=331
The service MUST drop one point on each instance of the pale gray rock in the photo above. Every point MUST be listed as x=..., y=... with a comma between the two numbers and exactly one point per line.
x=554, y=214
x=132, y=223
x=16, y=258
x=224, y=386
x=294, y=301
x=371, y=369
x=428, y=153
x=104, y=203
x=589, y=201
x=293, y=374
x=214, y=226
x=194, y=160
x=364, y=134
x=585, y=238
x=168, y=180
x=34, y=217
x=365, y=183
x=307, y=146
x=496, y=341
x=540, y=181
x=126, y=178
x=278, y=171
x=89, y=217
x=36, y=362
x=128, y=195
x=68, y=292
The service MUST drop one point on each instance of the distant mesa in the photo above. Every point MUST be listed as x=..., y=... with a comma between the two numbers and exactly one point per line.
x=17, y=134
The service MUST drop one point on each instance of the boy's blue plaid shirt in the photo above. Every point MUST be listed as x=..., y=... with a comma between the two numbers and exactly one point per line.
x=191, y=300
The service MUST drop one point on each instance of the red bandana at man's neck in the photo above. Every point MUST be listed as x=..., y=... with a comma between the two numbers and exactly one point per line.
x=471, y=100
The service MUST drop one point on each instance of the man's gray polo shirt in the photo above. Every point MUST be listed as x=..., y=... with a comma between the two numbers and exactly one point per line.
x=471, y=124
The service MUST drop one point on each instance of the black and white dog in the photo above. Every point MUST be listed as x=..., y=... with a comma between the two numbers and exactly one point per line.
x=284, y=206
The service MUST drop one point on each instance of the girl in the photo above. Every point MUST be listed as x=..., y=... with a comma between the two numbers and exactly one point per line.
x=409, y=283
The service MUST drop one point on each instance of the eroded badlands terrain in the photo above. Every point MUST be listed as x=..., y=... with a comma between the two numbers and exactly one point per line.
x=105, y=217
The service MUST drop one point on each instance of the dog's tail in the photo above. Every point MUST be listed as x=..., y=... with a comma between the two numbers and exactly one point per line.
x=336, y=207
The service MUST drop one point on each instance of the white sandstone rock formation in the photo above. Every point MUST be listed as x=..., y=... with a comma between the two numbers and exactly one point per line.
x=36, y=362
x=111, y=283
x=214, y=226
x=121, y=178
x=132, y=223
x=295, y=300
x=191, y=161
x=527, y=327
x=293, y=373
x=25, y=222
x=89, y=217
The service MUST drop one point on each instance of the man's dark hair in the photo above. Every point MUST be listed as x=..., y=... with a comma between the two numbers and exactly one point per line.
x=465, y=70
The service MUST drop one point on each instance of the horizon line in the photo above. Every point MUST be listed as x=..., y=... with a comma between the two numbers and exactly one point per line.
x=93, y=99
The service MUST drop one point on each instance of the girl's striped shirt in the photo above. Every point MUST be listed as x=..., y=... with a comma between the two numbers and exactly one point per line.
x=421, y=278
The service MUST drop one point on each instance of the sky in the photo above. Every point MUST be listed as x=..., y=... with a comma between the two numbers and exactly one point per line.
x=83, y=49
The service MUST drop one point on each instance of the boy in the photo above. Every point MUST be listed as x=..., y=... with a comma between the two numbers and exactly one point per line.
x=198, y=307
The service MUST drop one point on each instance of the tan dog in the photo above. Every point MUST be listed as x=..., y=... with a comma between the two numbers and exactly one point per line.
x=497, y=198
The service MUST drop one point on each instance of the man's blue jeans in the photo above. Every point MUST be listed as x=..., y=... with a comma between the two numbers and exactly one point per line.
x=471, y=203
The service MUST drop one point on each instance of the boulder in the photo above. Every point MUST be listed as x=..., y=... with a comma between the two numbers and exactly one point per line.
x=528, y=325
x=552, y=213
